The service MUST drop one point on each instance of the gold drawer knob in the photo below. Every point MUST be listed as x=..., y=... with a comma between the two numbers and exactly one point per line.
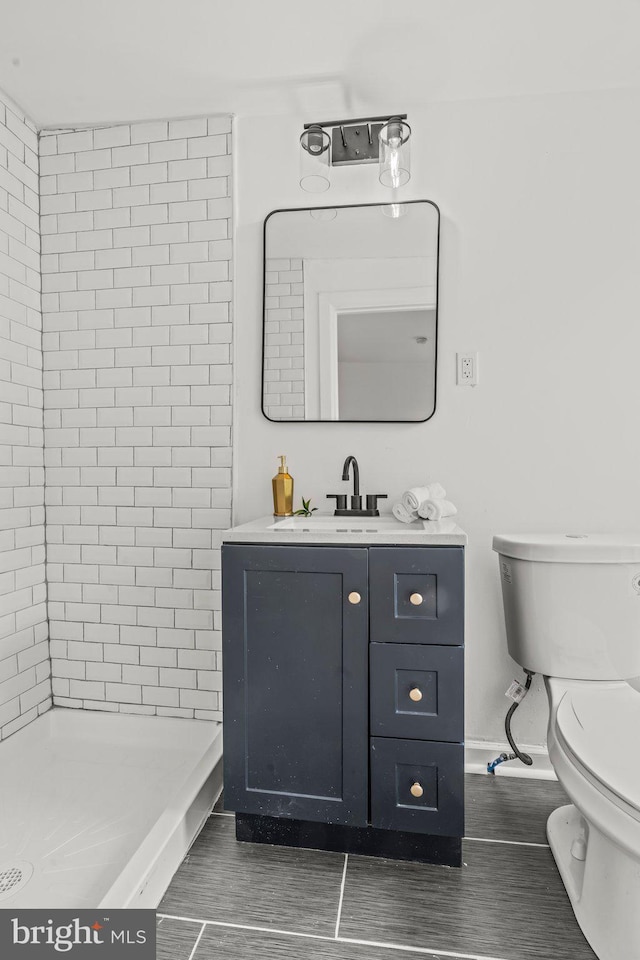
x=415, y=695
x=416, y=790
x=354, y=597
x=416, y=599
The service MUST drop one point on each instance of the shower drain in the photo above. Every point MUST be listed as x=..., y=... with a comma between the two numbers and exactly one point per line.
x=13, y=877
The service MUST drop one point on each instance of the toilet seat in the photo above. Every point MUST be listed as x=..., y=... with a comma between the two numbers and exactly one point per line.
x=598, y=725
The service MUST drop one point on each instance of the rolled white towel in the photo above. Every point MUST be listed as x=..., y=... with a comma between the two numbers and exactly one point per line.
x=413, y=497
x=436, y=509
x=437, y=491
x=401, y=513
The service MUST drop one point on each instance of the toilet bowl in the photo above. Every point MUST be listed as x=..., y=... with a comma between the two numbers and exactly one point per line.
x=593, y=743
x=572, y=611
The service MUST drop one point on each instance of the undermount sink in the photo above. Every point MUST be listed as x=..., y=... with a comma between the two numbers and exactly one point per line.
x=351, y=525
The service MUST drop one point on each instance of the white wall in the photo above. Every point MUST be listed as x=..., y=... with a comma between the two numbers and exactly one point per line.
x=539, y=273
x=25, y=687
x=136, y=225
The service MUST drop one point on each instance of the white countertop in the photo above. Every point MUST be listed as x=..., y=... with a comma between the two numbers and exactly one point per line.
x=325, y=528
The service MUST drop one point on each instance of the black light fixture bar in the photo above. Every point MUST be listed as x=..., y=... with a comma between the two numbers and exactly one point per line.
x=341, y=143
x=349, y=123
x=354, y=141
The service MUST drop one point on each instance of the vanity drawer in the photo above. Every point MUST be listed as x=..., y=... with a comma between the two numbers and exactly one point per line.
x=417, y=595
x=416, y=692
x=417, y=786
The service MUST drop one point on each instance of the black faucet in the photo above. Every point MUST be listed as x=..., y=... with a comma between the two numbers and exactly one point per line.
x=356, y=499
x=371, y=510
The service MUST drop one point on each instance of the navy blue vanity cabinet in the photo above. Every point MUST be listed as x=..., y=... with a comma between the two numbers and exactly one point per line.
x=295, y=651
x=344, y=697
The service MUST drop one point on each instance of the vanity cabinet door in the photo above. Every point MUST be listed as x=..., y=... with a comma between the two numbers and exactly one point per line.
x=417, y=595
x=295, y=673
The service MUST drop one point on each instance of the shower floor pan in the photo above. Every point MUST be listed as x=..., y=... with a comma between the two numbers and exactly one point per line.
x=99, y=809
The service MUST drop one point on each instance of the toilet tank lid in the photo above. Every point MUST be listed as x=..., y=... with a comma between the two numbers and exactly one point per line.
x=570, y=547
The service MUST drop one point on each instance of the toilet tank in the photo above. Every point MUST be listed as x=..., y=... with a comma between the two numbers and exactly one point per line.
x=572, y=603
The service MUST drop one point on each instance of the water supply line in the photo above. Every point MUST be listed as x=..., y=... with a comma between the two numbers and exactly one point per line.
x=517, y=754
x=491, y=767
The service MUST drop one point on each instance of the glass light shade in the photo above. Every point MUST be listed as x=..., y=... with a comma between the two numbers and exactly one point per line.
x=395, y=156
x=324, y=214
x=394, y=210
x=314, y=160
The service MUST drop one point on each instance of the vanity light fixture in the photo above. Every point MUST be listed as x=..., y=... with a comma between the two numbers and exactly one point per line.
x=339, y=143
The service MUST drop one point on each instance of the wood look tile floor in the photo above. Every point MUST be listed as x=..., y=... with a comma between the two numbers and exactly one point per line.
x=237, y=901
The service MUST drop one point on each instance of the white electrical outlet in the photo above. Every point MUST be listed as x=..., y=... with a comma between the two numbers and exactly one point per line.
x=467, y=369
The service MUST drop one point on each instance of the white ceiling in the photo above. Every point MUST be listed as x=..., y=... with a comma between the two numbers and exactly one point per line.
x=79, y=62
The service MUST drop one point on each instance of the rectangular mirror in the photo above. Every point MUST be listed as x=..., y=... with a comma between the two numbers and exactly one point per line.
x=351, y=313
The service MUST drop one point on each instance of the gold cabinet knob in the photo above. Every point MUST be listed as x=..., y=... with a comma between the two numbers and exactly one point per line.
x=415, y=694
x=416, y=790
x=416, y=599
x=354, y=597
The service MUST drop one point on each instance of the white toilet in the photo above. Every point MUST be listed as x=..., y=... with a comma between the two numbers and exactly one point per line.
x=572, y=612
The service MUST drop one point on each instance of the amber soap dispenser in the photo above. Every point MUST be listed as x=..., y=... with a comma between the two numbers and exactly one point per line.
x=282, y=491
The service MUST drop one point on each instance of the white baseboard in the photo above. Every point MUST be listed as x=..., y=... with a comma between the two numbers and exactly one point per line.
x=478, y=753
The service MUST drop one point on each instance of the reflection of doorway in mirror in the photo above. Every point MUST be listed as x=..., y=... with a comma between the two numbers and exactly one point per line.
x=385, y=364
x=380, y=289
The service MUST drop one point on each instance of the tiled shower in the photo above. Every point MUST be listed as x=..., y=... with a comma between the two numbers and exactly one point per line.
x=122, y=373
x=25, y=687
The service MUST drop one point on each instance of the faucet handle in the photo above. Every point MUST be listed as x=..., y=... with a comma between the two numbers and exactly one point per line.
x=340, y=499
x=372, y=500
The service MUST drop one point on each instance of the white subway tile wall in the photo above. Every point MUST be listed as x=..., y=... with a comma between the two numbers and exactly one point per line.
x=283, y=395
x=25, y=685
x=136, y=243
